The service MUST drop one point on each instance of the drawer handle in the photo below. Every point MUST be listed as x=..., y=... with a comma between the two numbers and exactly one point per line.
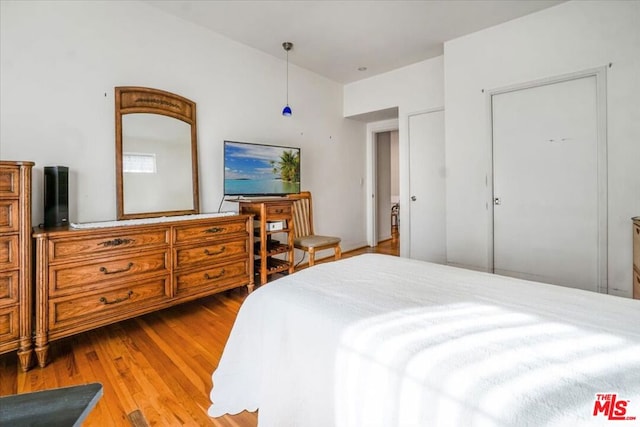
x=279, y=210
x=116, y=242
x=217, y=276
x=214, y=230
x=106, y=271
x=105, y=301
x=208, y=252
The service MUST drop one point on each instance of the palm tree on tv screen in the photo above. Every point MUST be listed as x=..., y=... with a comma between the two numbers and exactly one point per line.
x=288, y=166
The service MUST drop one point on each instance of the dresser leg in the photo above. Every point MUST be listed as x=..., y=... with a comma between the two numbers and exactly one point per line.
x=250, y=287
x=42, y=352
x=24, y=356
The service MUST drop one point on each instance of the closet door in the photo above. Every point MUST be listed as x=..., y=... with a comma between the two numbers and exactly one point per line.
x=546, y=197
x=427, y=187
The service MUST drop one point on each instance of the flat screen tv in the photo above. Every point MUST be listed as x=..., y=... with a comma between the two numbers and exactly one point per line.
x=260, y=170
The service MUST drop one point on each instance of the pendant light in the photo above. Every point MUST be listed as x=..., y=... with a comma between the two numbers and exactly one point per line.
x=286, y=111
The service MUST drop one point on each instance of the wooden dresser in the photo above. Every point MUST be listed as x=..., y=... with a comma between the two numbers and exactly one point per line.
x=15, y=260
x=86, y=278
x=636, y=257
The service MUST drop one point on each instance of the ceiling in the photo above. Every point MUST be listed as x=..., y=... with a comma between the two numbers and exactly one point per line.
x=335, y=38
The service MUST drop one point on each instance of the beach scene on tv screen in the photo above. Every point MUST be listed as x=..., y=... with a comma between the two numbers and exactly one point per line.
x=253, y=169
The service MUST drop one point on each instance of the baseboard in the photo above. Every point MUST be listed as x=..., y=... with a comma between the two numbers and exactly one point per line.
x=467, y=267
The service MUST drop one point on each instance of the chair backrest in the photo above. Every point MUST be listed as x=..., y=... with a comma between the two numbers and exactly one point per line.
x=302, y=214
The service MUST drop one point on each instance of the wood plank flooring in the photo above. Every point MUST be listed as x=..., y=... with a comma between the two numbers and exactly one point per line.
x=155, y=369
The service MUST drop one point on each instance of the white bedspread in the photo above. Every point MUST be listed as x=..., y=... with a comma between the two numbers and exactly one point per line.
x=383, y=341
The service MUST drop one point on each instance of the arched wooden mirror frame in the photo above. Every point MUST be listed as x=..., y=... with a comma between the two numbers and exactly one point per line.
x=131, y=100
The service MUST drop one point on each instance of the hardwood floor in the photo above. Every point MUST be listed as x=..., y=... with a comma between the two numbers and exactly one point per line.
x=155, y=369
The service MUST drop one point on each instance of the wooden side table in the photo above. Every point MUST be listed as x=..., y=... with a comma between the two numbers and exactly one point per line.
x=271, y=217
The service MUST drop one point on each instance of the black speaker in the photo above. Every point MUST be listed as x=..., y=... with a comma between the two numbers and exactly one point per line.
x=56, y=196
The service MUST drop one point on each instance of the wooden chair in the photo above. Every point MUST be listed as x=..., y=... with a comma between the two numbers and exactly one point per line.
x=304, y=237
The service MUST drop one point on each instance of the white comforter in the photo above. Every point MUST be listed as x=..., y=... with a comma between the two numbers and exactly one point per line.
x=377, y=340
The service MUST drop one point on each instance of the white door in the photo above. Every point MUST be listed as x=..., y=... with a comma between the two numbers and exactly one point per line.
x=545, y=169
x=427, y=188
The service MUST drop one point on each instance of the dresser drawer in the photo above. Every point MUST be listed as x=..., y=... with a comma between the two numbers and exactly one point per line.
x=8, y=252
x=9, y=288
x=9, y=221
x=106, y=305
x=64, y=278
x=107, y=243
x=235, y=273
x=211, y=253
x=9, y=182
x=9, y=324
x=194, y=233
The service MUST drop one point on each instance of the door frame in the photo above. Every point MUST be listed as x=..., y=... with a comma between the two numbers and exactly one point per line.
x=374, y=128
x=600, y=73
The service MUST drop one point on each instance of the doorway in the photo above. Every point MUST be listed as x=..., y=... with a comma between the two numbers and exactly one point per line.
x=387, y=184
x=549, y=182
x=374, y=218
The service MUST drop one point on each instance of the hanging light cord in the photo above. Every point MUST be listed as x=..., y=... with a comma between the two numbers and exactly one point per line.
x=286, y=111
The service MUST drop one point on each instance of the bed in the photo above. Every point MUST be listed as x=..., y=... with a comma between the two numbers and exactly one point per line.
x=377, y=340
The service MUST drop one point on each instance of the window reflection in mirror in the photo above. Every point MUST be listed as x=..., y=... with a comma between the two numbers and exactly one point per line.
x=139, y=163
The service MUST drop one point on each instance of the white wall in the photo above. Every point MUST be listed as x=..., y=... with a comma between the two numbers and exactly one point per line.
x=415, y=88
x=61, y=60
x=570, y=37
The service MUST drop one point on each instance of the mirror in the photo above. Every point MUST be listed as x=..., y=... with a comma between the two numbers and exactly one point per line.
x=156, y=154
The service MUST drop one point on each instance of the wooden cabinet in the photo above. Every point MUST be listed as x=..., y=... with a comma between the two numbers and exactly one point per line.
x=636, y=257
x=15, y=260
x=273, y=251
x=86, y=278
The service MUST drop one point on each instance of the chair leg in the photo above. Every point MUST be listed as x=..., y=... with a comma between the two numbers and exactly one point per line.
x=312, y=258
x=338, y=252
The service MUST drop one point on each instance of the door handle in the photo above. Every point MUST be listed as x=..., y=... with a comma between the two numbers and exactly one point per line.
x=497, y=201
x=414, y=198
